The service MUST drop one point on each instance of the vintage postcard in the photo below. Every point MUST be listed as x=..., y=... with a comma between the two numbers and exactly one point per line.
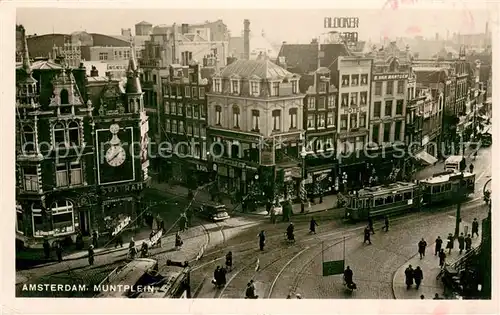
x=249, y=152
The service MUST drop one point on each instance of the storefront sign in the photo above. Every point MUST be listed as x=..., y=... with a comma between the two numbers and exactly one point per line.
x=229, y=162
x=394, y=76
x=341, y=22
x=202, y=168
x=123, y=223
x=122, y=188
x=354, y=110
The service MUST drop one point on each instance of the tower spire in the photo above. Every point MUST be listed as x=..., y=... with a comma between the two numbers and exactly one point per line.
x=26, y=55
x=133, y=84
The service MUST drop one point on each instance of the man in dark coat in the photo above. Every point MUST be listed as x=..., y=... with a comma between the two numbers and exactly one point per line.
x=449, y=245
x=91, y=254
x=367, y=236
x=370, y=225
x=468, y=242
x=216, y=280
x=439, y=244
x=461, y=242
x=348, y=275
x=119, y=240
x=418, y=275
x=182, y=222
x=262, y=240
x=386, y=223
x=222, y=275
x=475, y=228
x=421, y=248
x=46, y=248
x=442, y=258
x=59, y=252
x=94, y=239
x=409, y=277
x=312, y=226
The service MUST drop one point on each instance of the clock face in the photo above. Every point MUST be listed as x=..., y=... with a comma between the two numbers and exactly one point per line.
x=114, y=128
x=115, y=156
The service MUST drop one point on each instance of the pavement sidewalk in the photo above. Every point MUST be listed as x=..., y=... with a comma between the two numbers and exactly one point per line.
x=430, y=267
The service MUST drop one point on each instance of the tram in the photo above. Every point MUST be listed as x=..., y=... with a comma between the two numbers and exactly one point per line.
x=403, y=197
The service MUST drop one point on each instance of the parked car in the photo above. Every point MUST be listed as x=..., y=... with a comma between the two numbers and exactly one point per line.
x=213, y=211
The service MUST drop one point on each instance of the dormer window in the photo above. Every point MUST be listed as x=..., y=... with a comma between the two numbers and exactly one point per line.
x=322, y=87
x=64, y=96
x=275, y=89
x=217, y=85
x=235, y=86
x=295, y=85
x=254, y=88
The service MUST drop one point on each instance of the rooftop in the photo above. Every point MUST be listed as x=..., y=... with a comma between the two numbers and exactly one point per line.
x=264, y=69
x=45, y=65
x=444, y=177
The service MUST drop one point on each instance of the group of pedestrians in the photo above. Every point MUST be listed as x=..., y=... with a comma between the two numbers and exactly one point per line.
x=369, y=230
x=413, y=275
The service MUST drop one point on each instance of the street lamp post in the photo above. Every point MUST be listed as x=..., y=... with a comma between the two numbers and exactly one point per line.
x=458, y=217
x=303, y=155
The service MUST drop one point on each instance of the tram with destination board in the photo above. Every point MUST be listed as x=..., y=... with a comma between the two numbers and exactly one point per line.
x=400, y=197
x=173, y=284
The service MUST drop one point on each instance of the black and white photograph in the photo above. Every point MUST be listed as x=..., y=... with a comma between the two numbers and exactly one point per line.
x=252, y=153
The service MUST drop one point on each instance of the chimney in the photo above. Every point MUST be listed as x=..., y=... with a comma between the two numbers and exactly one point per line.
x=94, y=72
x=246, y=39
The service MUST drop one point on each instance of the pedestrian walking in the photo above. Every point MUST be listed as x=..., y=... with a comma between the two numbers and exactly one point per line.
x=386, y=223
x=118, y=240
x=436, y=297
x=91, y=254
x=439, y=244
x=367, y=236
x=442, y=258
x=475, y=228
x=94, y=239
x=370, y=224
x=178, y=241
x=46, y=248
x=418, y=276
x=461, y=242
x=182, y=223
x=273, y=215
x=449, y=245
x=312, y=226
x=229, y=261
x=79, y=241
x=59, y=251
x=250, y=291
x=409, y=277
x=216, y=279
x=262, y=240
x=421, y=248
x=468, y=243
x=471, y=168
x=222, y=275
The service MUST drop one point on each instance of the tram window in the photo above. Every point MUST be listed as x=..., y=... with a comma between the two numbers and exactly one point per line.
x=407, y=195
x=436, y=189
x=360, y=204
x=398, y=198
x=379, y=202
x=447, y=187
x=427, y=190
x=389, y=199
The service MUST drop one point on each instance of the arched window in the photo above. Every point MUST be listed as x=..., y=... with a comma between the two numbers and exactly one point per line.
x=63, y=219
x=74, y=133
x=64, y=96
x=28, y=139
x=393, y=67
x=59, y=134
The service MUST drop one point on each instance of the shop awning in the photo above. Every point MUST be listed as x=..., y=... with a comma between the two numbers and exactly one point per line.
x=426, y=158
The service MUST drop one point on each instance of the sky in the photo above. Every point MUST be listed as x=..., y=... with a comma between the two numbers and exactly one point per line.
x=291, y=25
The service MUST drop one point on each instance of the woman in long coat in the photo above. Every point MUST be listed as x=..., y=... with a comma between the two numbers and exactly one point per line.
x=449, y=245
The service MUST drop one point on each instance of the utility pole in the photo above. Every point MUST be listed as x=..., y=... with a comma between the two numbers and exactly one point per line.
x=458, y=218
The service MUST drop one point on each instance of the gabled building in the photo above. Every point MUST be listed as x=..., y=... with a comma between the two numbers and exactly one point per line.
x=254, y=114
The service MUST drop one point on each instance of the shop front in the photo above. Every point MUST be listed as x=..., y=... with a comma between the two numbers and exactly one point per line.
x=234, y=177
x=320, y=182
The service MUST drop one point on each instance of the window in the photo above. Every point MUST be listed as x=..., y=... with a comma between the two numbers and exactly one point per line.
x=28, y=139
x=319, y=145
x=19, y=220
x=154, y=78
x=331, y=101
x=399, y=107
x=378, y=88
x=75, y=173
x=363, y=98
x=375, y=134
x=30, y=178
x=360, y=143
x=329, y=144
x=389, y=89
x=293, y=118
x=310, y=121
x=401, y=86
x=354, y=121
x=275, y=91
x=254, y=87
x=189, y=110
x=343, y=122
x=203, y=132
x=62, y=217
x=61, y=175
x=345, y=80
x=168, y=127
x=276, y=120
x=180, y=109
x=196, y=130
x=194, y=92
x=330, y=120
x=236, y=117
x=354, y=98
x=173, y=109
x=64, y=97
x=321, y=120
x=322, y=87
x=202, y=92
x=203, y=112
x=388, y=108
x=218, y=115
x=59, y=134
x=362, y=120
x=196, y=109
x=355, y=79
x=397, y=130
x=181, y=127
x=295, y=89
x=217, y=85
x=255, y=120
x=74, y=133
x=387, y=132
x=103, y=56
x=311, y=102
x=376, y=109
x=321, y=102
x=167, y=108
x=174, y=126
x=189, y=128
x=344, y=99
x=187, y=91
x=364, y=79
